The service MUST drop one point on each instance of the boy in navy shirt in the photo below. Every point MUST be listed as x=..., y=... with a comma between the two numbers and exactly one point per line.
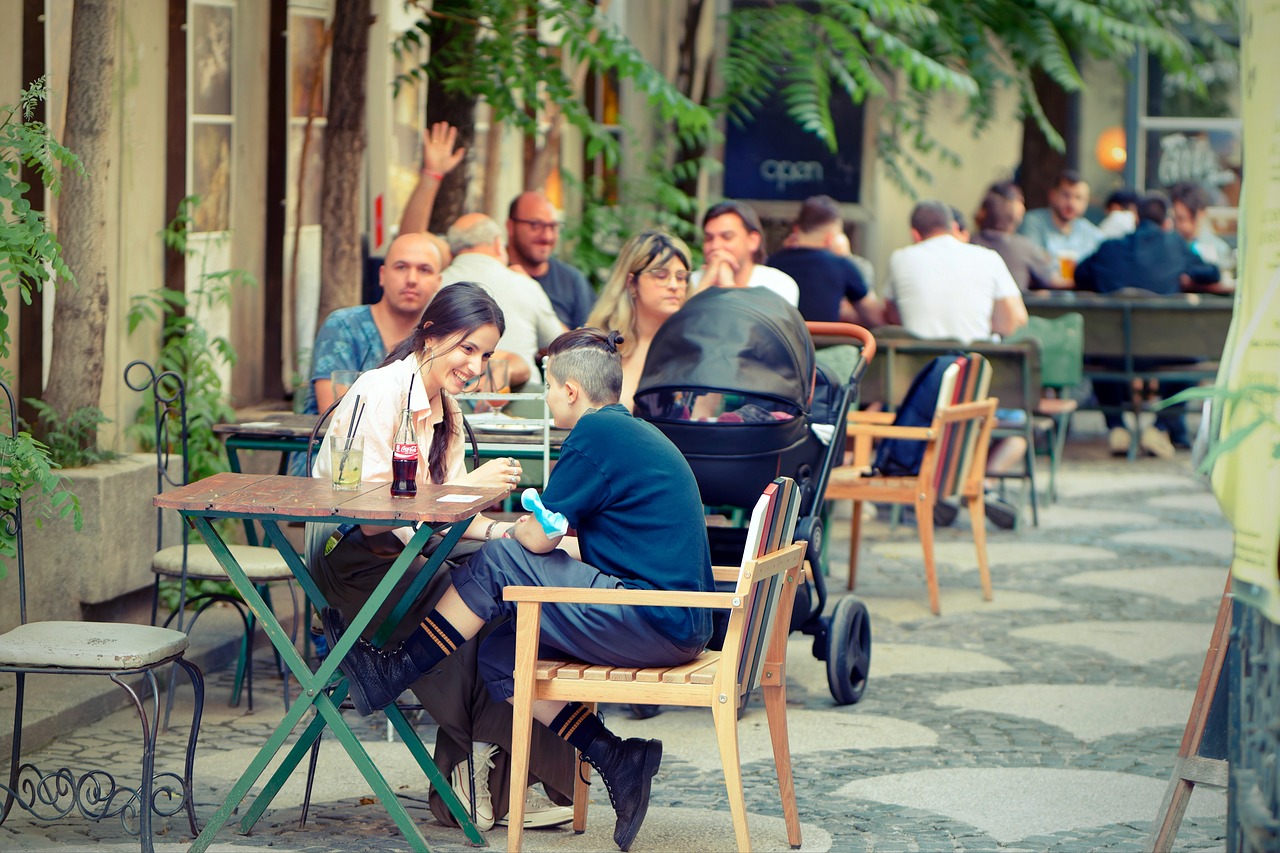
x=637, y=511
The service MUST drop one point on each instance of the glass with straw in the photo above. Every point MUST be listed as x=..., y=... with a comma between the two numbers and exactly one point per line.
x=346, y=454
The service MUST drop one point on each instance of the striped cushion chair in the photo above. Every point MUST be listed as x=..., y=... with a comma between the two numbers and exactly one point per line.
x=754, y=654
x=955, y=458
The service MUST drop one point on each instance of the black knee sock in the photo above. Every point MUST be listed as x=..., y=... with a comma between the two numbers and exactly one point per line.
x=434, y=641
x=577, y=725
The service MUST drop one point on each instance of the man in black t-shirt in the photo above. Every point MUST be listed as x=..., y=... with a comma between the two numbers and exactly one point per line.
x=831, y=287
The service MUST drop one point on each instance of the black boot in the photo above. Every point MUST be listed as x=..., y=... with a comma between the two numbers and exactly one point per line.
x=376, y=677
x=627, y=768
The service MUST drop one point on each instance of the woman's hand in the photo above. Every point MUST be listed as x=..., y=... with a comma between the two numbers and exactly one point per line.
x=500, y=473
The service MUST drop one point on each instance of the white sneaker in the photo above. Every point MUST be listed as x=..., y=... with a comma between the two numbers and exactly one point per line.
x=1118, y=440
x=1156, y=442
x=480, y=762
x=540, y=812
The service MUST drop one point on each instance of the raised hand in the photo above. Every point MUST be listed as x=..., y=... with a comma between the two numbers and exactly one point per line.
x=438, y=154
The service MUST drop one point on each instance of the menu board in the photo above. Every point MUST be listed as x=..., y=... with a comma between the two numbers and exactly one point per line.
x=1246, y=479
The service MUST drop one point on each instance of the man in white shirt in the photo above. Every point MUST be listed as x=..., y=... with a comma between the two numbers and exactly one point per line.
x=480, y=256
x=733, y=247
x=941, y=287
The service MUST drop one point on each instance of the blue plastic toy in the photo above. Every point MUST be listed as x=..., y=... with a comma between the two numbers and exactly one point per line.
x=553, y=523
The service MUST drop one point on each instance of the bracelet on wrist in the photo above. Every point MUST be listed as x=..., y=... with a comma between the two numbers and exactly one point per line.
x=488, y=531
x=430, y=173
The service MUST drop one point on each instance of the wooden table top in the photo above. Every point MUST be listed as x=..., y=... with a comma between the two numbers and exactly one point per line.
x=273, y=495
x=271, y=425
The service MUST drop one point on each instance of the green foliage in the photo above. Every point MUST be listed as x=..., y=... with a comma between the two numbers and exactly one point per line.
x=190, y=351
x=27, y=468
x=1255, y=405
x=654, y=201
x=72, y=440
x=30, y=254
x=909, y=51
x=494, y=51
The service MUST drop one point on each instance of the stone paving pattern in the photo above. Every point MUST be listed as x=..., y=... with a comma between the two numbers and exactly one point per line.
x=1046, y=720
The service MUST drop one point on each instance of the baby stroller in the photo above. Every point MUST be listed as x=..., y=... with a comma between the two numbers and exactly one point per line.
x=733, y=381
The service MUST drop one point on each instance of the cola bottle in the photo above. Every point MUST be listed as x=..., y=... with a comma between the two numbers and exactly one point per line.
x=404, y=460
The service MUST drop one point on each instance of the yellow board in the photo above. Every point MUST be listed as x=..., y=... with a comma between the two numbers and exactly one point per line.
x=1247, y=479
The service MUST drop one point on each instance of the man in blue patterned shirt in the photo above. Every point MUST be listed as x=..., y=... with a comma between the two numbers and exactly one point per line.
x=358, y=338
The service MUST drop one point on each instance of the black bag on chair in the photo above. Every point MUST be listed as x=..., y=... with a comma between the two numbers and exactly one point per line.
x=898, y=457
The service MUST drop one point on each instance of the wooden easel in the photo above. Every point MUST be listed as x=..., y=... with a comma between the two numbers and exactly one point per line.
x=1192, y=768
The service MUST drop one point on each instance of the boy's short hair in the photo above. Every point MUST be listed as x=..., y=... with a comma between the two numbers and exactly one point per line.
x=590, y=357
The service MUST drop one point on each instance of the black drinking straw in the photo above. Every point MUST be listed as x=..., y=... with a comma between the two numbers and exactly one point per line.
x=358, y=408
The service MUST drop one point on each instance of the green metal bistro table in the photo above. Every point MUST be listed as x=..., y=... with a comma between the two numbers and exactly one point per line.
x=270, y=500
x=283, y=432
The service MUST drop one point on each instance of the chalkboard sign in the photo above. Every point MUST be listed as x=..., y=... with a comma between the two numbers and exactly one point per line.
x=773, y=158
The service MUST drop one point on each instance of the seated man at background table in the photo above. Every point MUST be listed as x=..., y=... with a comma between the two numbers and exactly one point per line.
x=733, y=251
x=941, y=287
x=479, y=255
x=831, y=285
x=1156, y=259
x=1030, y=265
x=638, y=526
x=533, y=229
x=1061, y=227
x=359, y=337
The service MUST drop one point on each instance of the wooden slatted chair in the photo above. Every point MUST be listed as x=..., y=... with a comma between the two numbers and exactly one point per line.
x=954, y=463
x=754, y=653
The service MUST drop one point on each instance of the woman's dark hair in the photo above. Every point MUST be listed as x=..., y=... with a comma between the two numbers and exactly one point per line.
x=455, y=312
x=996, y=213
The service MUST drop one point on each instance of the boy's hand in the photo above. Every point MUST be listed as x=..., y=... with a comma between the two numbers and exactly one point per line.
x=529, y=533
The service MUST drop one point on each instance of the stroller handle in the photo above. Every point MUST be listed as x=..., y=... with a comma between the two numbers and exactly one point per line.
x=825, y=329
x=819, y=328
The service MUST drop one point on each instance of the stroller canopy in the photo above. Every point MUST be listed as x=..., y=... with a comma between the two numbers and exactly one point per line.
x=746, y=340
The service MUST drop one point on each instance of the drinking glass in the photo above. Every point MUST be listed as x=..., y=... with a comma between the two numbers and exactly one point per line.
x=346, y=460
x=495, y=378
x=343, y=380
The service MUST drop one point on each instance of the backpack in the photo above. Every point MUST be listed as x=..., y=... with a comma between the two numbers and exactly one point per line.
x=899, y=457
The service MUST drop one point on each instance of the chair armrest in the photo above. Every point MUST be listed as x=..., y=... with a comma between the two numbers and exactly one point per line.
x=631, y=597
x=890, y=431
x=1056, y=406
x=871, y=417
x=726, y=573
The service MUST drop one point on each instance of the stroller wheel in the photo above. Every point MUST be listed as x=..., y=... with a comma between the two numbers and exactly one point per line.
x=848, y=650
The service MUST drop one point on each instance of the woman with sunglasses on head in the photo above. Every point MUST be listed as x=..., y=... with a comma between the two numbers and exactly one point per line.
x=451, y=345
x=649, y=282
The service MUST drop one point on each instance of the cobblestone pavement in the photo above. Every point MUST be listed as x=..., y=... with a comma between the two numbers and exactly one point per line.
x=1045, y=720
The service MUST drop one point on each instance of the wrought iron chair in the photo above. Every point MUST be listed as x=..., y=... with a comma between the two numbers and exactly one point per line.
x=754, y=653
x=193, y=560
x=115, y=650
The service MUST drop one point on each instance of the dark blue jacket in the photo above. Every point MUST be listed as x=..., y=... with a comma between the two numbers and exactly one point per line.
x=1149, y=259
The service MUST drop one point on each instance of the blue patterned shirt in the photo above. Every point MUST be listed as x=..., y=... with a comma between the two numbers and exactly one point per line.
x=347, y=340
